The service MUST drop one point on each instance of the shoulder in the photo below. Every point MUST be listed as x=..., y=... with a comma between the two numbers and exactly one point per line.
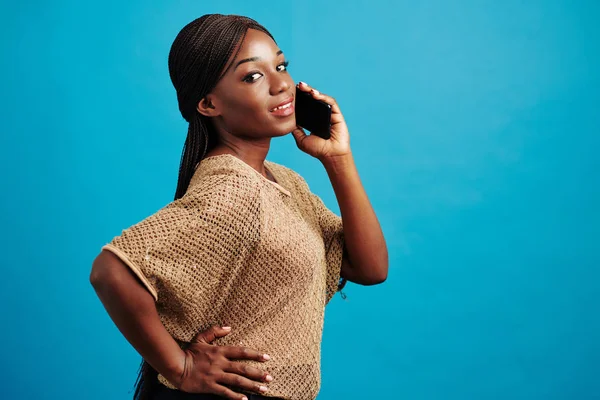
x=288, y=174
x=222, y=175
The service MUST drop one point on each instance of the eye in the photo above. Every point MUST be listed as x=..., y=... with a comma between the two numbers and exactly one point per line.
x=252, y=77
x=284, y=65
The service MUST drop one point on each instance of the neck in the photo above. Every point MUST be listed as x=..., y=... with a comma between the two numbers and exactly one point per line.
x=252, y=153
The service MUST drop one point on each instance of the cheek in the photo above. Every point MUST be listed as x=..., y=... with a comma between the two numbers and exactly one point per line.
x=245, y=112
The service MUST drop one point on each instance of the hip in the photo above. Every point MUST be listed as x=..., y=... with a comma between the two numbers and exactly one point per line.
x=164, y=393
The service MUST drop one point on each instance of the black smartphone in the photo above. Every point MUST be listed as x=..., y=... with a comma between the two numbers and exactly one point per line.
x=312, y=114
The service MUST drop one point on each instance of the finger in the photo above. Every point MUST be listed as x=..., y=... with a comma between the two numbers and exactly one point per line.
x=248, y=371
x=243, y=353
x=227, y=393
x=305, y=87
x=242, y=383
x=335, y=109
x=211, y=334
x=299, y=135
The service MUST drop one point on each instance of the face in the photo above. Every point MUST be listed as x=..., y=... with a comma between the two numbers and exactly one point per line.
x=244, y=101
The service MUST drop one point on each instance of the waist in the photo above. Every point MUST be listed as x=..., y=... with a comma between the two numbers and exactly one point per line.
x=165, y=393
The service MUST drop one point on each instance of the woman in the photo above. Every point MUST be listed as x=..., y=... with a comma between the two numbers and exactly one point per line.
x=223, y=290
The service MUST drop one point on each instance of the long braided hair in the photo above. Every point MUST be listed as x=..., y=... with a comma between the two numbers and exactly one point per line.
x=197, y=61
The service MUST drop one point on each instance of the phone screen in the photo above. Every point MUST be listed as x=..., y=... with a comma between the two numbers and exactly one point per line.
x=312, y=114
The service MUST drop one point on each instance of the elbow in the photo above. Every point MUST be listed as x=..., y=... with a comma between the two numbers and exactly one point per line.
x=383, y=277
x=98, y=274
x=380, y=269
x=372, y=280
x=368, y=272
x=94, y=275
x=378, y=275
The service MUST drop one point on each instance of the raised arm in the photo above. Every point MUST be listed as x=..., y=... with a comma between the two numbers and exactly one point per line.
x=366, y=258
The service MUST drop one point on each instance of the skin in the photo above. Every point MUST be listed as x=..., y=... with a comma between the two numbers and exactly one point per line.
x=240, y=107
x=240, y=112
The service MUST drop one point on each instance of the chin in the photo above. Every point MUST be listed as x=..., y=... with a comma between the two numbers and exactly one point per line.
x=283, y=129
x=282, y=133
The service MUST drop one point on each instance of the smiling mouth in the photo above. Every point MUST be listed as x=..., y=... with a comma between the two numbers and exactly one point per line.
x=283, y=106
x=288, y=105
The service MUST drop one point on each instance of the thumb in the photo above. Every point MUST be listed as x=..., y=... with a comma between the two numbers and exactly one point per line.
x=209, y=335
x=299, y=135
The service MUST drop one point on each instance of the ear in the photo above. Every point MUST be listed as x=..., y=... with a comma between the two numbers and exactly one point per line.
x=207, y=108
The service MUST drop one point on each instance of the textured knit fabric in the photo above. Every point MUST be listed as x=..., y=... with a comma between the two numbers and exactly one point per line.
x=240, y=250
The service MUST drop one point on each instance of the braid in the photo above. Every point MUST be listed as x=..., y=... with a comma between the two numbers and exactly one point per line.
x=197, y=61
x=194, y=150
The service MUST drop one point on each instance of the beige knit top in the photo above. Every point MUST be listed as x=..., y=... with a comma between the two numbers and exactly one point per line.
x=240, y=250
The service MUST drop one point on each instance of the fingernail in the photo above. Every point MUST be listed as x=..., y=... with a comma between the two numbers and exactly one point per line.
x=263, y=388
x=301, y=83
x=266, y=357
x=315, y=91
x=269, y=378
x=244, y=398
x=227, y=328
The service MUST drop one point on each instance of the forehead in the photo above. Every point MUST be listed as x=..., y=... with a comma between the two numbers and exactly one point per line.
x=257, y=44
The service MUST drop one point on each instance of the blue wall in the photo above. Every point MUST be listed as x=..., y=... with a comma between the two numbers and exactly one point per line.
x=475, y=125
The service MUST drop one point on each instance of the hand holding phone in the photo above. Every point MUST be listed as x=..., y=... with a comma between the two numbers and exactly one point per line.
x=313, y=115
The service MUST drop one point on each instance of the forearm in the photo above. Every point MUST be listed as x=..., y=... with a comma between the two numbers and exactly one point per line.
x=133, y=310
x=365, y=244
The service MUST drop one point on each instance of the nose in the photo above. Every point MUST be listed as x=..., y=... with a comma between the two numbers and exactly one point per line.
x=281, y=83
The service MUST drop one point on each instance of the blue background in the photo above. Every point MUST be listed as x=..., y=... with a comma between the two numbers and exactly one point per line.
x=475, y=126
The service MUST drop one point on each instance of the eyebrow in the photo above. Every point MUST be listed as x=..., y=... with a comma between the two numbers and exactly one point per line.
x=251, y=59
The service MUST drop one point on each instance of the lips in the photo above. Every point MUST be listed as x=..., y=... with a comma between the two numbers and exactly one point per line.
x=283, y=105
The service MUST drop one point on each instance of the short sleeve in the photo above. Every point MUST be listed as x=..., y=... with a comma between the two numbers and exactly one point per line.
x=333, y=237
x=191, y=243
